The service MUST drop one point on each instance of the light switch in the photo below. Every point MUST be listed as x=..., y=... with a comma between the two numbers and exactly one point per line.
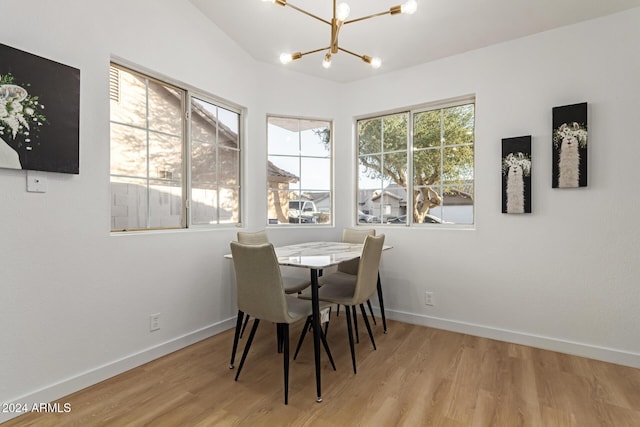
x=36, y=182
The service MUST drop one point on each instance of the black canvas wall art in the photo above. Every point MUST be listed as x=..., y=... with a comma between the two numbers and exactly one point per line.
x=570, y=146
x=516, y=175
x=39, y=113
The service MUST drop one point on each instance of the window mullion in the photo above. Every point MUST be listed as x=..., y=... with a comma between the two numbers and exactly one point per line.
x=410, y=179
x=217, y=151
x=148, y=143
x=382, y=162
x=299, y=162
x=442, y=144
x=186, y=155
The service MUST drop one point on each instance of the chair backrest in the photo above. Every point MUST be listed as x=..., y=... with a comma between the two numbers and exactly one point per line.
x=352, y=235
x=367, y=281
x=255, y=238
x=260, y=292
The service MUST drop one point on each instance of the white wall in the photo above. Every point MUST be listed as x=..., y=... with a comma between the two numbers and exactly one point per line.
x=566, y=276
x=75, y=300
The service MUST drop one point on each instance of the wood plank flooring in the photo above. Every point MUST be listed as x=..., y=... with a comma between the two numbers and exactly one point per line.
x=419, y=376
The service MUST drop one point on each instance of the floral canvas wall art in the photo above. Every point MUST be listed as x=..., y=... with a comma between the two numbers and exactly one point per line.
x=516, y=175
x=570, y=146
x=39, y=113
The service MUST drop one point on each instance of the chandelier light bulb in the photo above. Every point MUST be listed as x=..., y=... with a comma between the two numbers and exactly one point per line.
x=285, y=58
x=375, y=62
x=409, y=7
x=326, y=62
x=342, y=11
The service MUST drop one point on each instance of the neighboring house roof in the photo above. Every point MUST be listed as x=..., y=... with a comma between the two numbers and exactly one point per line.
x=318, y=196
x=231, y=137
x=457, y=197
x=279, y=175
x=398, y=191
x=377, y=195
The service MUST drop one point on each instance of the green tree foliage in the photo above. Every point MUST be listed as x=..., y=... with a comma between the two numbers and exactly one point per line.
x=442, y=153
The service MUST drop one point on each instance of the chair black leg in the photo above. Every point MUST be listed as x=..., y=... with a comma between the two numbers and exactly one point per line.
x=247, y=346
x=381, y=302
x=302, y=335
x=366, y=322
x=236, y=337
x=371, y=311
x=279, y=336
x=244, y=325
x=285, y=339
x=353, y=352
x=355, y=322
x=309, y=324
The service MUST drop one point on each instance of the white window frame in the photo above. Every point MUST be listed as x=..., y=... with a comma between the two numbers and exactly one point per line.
x=189, y=93
x=300, y=156
x=411, y=111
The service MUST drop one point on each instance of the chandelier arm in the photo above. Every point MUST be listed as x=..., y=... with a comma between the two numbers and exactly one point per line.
x=386, y=12
x=351, y=53
x=315, y=50
x=308, y=13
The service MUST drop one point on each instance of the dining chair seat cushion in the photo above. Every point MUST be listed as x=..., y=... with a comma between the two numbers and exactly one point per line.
x=294, y=283
x=298, y=308
x=336, y=288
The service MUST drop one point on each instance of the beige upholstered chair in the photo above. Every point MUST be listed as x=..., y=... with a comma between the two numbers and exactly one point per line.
x=294, y=282
x=353, y=290
x=260, y=294
x=295, y=279
x=354, y=235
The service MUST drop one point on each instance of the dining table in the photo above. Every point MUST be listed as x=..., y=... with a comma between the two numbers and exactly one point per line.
x=318, y=256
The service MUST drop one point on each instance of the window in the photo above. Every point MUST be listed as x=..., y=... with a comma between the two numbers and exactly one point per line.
x=426, y=153
x=175, y=156
x=299, y=171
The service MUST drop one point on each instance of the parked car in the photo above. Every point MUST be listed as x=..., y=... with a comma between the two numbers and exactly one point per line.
x=366, y=218
x=302, y=212
x=428, y=219
x=402, y=219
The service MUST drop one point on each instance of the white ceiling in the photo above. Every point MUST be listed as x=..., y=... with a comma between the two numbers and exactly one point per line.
x=439, y=28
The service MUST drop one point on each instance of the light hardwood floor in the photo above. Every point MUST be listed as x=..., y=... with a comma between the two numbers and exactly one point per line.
x=419, y=376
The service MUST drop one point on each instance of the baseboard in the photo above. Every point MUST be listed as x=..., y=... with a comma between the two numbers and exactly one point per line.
x=85, y=379
x=605, y=354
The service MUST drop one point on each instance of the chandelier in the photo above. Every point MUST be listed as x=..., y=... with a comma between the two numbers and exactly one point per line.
x=340, y=15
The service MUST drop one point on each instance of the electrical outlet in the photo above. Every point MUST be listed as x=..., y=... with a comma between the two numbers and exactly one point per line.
x=154, y=322
x=428, y=298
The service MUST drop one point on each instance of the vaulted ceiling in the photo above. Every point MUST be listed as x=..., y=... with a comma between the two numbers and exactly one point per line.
x=439, y=28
